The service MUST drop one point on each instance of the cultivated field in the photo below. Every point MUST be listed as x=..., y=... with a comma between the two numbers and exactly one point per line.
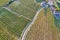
x=11, y=25
x=15, y=17
x=4, y=34
x=24, y=7
x=44, y=28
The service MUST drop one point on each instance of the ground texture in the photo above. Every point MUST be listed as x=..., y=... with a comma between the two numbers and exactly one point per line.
x=14, y=17
x=44, y=28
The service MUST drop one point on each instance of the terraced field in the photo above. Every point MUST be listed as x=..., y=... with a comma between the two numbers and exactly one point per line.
x=44, y=28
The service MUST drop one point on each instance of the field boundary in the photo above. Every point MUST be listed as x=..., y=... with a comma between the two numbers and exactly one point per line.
x=24, y=30
x=28, y=28
x=18, y=15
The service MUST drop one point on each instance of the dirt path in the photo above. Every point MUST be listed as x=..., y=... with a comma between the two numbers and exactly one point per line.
x=18, y=15
x=25, y=33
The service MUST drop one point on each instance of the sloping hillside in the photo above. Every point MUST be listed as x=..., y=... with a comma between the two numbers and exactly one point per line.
x=44, y=28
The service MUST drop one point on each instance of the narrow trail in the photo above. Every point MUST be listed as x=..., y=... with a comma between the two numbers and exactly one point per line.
x=18, y=15
x=25, y=33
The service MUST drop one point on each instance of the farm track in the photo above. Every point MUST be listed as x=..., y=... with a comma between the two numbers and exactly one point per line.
x=18, y=15
x=28, y=28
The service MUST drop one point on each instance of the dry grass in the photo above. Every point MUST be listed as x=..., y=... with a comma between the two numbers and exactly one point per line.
x=44, y=28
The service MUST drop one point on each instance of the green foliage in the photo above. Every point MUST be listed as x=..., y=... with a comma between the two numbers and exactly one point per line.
x=24, y=7
x=13, y=23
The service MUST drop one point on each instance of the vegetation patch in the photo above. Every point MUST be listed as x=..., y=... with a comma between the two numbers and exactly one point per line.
x=13, y=23
x=43, y=28
x=24, y=7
